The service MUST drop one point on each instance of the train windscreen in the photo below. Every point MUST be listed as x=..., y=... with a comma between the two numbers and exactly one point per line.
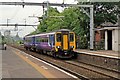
x=71, y=37
x=59, y=37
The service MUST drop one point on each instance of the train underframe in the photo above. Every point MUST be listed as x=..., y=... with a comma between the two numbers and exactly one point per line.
x=56, y=54
x=66, y=53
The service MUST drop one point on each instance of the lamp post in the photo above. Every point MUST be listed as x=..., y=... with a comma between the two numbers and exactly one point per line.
x=7, y=21
x=25, y=21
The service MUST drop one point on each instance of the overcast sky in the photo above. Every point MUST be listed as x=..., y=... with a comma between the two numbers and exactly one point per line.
x=18, y=14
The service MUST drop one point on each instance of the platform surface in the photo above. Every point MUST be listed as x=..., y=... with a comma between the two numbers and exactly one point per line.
x=17, y=64
x=105, y=53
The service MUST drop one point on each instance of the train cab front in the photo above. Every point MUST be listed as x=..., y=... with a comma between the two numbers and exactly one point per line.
x=65, y=44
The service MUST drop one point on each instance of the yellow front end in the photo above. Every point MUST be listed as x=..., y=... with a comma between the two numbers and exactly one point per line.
x=65, y=43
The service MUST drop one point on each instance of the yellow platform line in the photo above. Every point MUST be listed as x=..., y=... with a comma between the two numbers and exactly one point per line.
x=42, y=71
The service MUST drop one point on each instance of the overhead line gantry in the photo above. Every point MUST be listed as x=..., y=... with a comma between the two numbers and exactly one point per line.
x=17, y=25
x=42, y=4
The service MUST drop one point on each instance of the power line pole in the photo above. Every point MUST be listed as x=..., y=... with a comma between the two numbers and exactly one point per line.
x=7, y=21
x=25, y=21
x=91, y=29
x=119, y=20
x=47, y=8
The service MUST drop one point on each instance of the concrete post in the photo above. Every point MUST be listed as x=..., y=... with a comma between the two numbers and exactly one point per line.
x=106, y=38
x=119, y=20
x=119, y=32
x=47, y=8
x=91, y=29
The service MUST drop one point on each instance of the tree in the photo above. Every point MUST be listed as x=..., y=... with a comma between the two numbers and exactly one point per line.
x=73, y=19
x=105, y=11
x=77, y=21
x=48, y=23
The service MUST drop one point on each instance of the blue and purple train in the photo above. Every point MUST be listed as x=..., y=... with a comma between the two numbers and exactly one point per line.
x=60, y=43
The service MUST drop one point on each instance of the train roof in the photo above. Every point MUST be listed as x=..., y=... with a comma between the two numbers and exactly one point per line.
x=49, y=33
x=42, y=34
x=52, y=32
x=28, y=35
x=63, y=30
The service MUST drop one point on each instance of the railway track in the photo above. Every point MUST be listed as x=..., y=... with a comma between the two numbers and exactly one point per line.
x=104, y=71
x=73, y=67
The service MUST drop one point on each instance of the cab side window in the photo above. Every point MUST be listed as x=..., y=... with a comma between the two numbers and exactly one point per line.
x=59, y=38
x=71, y=37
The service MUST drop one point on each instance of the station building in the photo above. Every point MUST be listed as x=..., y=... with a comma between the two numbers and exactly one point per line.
x=109, y=34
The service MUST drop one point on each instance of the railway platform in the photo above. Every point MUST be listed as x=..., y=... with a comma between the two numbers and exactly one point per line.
x=101, y=58
x=18, y=64
x=104, y=53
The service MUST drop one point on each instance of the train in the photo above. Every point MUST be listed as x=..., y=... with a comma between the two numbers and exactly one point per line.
x=60, y=43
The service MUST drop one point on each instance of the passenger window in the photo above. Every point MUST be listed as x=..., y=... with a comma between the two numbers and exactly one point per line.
x=46, y=40
x=71, y=37
x=42, y=40
x=38, y=39
x=58, y=36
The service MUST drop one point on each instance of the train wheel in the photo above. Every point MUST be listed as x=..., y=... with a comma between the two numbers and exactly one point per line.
x=54, y=55
x=26, y=48
x=75, y=55
x=37, y=50
x=34, y=49
x=41, y=51
x=44, y=52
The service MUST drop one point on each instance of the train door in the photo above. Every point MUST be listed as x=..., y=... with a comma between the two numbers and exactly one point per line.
x=33, y=41
x=51, y=40
x=65, y=41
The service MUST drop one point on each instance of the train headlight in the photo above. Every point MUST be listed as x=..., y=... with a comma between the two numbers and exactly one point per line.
x=57, y=46
x=65, y=53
